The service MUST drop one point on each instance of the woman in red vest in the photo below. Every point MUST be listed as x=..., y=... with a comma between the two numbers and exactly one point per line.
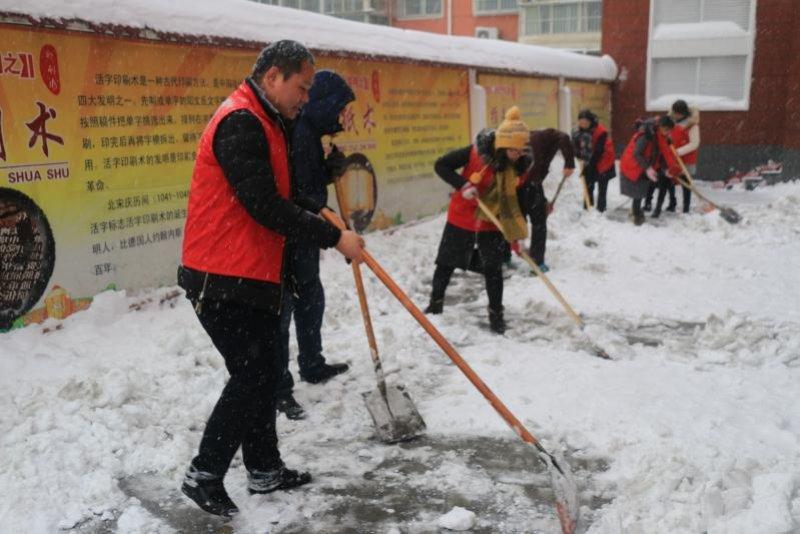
x=646, y=154
x=686, y=137
x=487, y=166
x=594, y=146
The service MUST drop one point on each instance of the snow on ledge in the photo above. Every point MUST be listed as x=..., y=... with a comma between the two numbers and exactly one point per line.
x=259, y=23
x=701, y=102
x=698, y=30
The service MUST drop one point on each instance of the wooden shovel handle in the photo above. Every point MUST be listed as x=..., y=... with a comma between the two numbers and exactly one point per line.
x=570, y=311
x=690, y=183
x=448, y=349
x=362, y=294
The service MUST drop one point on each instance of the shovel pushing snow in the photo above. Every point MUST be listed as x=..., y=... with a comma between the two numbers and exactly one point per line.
x=599, y=352
x=729, y=214
x=391, y=408
x=563, y=484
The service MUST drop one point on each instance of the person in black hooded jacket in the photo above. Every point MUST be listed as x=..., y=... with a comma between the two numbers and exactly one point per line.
x=304, y=296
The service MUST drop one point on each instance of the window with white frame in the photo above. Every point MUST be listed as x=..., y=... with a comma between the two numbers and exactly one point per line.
x=490, y=7
x=563, y=17
x=409, y=9
x=701, y=51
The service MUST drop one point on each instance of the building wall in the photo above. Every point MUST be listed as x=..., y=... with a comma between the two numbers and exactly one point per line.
x=770, y=129
x=464, y=22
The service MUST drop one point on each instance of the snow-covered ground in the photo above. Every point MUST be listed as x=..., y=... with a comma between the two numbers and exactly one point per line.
x=692, y=428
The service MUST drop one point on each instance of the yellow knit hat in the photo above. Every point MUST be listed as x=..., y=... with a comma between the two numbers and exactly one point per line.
x=512, y=132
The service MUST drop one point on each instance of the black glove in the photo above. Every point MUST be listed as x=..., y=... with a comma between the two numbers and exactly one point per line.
x=335, y=163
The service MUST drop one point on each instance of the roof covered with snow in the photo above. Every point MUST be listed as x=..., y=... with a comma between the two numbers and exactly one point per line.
x=251, y=22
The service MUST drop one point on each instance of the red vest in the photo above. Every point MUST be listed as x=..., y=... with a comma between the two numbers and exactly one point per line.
x=461, y=212
x=680, y=137
x=220, y=237
x=607, y=159
x=629, y=166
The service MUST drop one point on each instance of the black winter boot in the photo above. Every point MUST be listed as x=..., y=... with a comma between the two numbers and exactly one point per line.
x=656, y=213
x=208, y=492
x=672, y=205
x=260, y=482
x=290, y=407
x=435, y=307
x=324, y=372
x=496, y=321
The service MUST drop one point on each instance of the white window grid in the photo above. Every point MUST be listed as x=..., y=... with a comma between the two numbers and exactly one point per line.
x=419, y=9
x=493, y=7
x=563, y=17
x=713, y=74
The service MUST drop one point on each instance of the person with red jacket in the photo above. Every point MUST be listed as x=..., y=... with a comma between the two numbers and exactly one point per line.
x=594, y=147
x=490, y=169
x=646, y=154
x=241, y=213
x=686, y=138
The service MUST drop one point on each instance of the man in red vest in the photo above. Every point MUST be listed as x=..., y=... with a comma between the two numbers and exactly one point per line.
x=241, y=213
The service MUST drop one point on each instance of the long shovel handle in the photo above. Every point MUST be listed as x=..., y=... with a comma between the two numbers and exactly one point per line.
x=362, y=299
x=566, y=504
x=570, y=311
x=586, y=198
x=445, y=345
x=558, y=190
x=690, y=182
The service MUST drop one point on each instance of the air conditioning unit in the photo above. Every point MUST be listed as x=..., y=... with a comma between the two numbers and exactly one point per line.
x=485, y=32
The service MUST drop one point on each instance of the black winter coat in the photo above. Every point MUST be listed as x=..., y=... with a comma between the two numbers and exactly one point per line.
x=320, y=116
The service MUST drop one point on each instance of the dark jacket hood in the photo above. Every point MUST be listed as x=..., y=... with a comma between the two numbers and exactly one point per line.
x=327, y=97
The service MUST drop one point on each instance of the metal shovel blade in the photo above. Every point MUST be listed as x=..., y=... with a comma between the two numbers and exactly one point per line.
x=565, y=489
x=729, y=214
x=395, y=416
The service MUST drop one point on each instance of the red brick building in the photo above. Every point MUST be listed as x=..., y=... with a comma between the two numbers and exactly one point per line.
x=738, y=61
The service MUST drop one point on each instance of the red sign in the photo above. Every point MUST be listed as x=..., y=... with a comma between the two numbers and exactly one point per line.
x=48, y=66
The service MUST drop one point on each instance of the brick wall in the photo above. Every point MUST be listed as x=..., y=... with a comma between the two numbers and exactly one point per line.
x=769, y=129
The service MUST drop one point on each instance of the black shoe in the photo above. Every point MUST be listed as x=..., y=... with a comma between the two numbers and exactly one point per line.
x=638, y=219
x=260, y=482
x=686, y=209
x=289, y=407
x=324, y=372
x=671, y=206
x=496, y=321
x=208, y=492
x=656, y=213
x=648, y=206
x=435, y=307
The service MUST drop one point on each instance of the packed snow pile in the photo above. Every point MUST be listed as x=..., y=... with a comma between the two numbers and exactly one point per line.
x=458, y=519
x=693, y=427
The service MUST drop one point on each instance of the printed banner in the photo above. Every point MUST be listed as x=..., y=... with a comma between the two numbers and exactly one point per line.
x=594, y=96
x=97, y=144
x=537, y=99
x=404, y=117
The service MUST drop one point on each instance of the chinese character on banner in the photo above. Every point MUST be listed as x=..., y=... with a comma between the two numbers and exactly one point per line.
x=493, y=117
x=348, y=120
x=19, y=64
x=39, y=128
x=2, y=142
x=368, y=123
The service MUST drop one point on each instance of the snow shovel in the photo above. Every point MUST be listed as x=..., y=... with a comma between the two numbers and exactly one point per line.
x=391, y=408
x=563, y=484
x=599, y=352
x=729, y=214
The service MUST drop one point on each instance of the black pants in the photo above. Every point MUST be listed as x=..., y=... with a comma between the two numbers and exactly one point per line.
x=602, y=189
x=533, y=204
x=249, y=341
x=306, y=301
x=493, y=277
x=687, y=199
x=664, y=186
